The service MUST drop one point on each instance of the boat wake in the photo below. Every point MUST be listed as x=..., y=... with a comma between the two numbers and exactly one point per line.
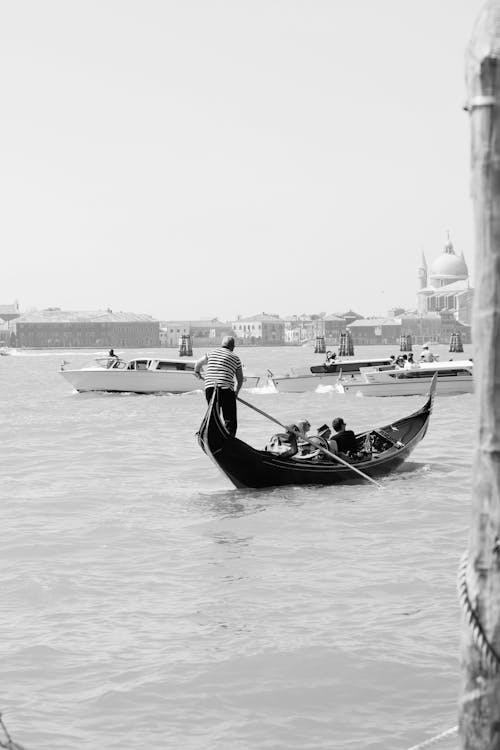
x=262, y=389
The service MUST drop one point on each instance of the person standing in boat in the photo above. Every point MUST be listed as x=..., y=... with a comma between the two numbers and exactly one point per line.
x=112, y=358
x=426, y=355
x=223, y=370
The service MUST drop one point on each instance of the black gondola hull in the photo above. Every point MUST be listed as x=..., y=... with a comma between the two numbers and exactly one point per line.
x=247, y=467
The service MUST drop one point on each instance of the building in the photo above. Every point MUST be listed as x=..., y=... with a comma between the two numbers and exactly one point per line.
x=56, y=328
x=370, y=331
x=434, y=326
x=302, y=328
x=298, y=329
x=171, y=332
x=209, y=332
x=333, y=326
x=8, y=313
x=349, y=317
x=264, y=329
x=445, y=287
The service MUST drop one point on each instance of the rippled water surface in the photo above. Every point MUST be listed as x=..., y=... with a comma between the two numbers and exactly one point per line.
x=144, y=602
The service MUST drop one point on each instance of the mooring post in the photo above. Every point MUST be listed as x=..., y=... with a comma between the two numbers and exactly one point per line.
x=479, y=710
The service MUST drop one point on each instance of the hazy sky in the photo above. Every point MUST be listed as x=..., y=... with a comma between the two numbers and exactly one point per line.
x=193, y=158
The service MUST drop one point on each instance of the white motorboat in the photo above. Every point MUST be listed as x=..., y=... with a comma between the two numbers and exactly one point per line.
x=303, y=379
x=453, y=377
x=140, y=375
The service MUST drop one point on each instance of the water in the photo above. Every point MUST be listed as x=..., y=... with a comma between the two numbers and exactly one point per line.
x=144, y=602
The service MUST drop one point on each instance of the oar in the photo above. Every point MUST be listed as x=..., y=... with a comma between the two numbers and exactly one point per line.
x=307, y=440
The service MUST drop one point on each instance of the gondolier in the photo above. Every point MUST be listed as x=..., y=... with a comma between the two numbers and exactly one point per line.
x=221, y=369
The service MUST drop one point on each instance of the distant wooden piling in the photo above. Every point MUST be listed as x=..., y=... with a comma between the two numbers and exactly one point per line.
x=320, y=346
x=346, y=346
x=479, y=711
x=350, y=344
x=405, y=343
x=185, y=346
x=456, y=344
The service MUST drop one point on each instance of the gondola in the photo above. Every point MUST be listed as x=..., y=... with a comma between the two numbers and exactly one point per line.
x=248, y=467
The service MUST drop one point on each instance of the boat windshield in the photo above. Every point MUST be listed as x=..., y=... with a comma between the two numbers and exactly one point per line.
x=111, y=363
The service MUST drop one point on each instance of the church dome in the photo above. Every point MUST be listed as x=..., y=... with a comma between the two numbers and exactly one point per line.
x=449, y=265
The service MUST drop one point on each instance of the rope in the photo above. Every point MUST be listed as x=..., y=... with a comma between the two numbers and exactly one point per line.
x=434, y=740
x=488, y=654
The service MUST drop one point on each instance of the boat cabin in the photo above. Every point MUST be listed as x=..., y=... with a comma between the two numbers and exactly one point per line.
x=146, y=363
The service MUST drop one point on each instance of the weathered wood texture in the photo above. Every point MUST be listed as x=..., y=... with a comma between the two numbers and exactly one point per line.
x=479, y=719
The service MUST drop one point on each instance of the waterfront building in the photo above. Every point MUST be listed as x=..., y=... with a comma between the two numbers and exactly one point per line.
x=171, y=331
x=56, y=328
x=436, y=327
x=263, y=329
x=349, y=317
x=206, y=332
x=298, y=329
x=445, y=286
x=333, y=326
x=8, y=313
x=370, y=331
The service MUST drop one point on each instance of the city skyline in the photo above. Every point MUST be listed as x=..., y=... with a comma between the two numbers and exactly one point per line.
x=215, y=159
x=448, y=268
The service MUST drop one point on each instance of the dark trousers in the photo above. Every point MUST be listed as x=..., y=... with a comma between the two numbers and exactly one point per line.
x=227, y=402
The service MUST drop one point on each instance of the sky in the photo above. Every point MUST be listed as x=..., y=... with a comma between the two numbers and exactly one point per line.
x=215, y=158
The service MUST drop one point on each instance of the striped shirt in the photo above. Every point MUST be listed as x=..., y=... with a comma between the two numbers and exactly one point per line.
x=221, y=368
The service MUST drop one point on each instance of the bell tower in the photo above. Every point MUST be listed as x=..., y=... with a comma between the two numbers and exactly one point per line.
x=422, y=272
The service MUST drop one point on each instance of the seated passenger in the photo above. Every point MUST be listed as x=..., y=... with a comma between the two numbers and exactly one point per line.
x=310, y=449
x=343, y=441
x=321, y=440
x=309, y=445
x=324, y=432
x=284, y=444
x=303, y=427
x=410, y=363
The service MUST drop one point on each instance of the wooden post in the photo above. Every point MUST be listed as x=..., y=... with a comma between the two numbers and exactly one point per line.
x=320, y=346
x=350, y=344
x=185, y=346
x=479, y=711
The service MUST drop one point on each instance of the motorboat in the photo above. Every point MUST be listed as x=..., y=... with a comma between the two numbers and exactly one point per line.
x=303, y=379
x=246, y=466
x=140, y=375
x=453, y=377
